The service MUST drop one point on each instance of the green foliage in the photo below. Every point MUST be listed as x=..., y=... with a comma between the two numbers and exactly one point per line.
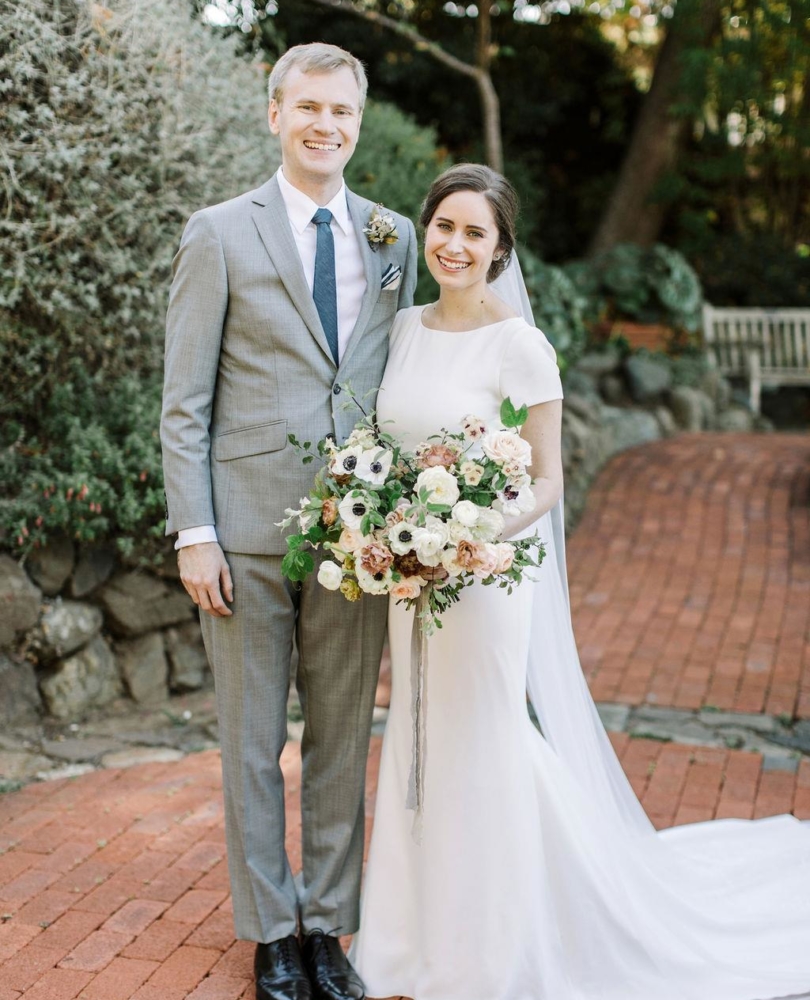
x=558, y=307
x=118, y=123
x=655, y=285
x=754, y=269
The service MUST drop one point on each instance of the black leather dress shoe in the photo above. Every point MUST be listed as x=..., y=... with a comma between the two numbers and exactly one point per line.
x=280, y=973
x=329, y=971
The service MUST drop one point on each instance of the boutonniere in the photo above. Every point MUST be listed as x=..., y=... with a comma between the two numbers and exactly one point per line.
x=380, y=228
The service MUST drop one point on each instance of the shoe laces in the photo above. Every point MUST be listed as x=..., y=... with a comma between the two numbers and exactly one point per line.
x=321, y=946
x=286, y=954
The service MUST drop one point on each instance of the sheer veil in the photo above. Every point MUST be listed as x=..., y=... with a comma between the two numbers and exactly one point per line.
x=555, y=682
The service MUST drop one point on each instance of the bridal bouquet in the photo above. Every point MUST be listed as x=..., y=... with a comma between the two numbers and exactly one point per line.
x=419, y=525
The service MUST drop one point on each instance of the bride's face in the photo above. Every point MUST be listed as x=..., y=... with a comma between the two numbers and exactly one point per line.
x=461, y=240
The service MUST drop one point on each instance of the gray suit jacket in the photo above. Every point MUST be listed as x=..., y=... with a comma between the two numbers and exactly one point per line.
x=247, y=363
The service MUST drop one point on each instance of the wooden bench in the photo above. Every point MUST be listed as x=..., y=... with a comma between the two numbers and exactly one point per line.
x=769, y=347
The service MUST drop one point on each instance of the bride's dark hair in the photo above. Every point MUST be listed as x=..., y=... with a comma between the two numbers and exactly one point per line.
x=500, y=194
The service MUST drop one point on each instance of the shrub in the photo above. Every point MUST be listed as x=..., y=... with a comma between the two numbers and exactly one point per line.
x=655, y=285
x=558, y=307
x=118, y=123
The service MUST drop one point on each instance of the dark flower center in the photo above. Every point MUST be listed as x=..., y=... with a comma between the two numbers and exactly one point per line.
x=511, y=493
x=405, y=536
x=358, y=509
x=350, y=463
x=376, y=467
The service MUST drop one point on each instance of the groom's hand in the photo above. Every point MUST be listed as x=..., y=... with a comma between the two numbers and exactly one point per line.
x=206, y=576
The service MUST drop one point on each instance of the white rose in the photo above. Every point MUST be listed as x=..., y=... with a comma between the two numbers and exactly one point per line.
x=513, y=501
x=376, y=583
x=430, y=541
x=507, y=446
x=490, y=525
x=407, y=589
x=459, y=532
x=354, y=507
x=440, y=483
x=330, y=575
x=465, y=512
x=374, y=466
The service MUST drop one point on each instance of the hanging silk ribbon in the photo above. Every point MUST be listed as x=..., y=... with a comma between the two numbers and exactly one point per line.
x=419, y=664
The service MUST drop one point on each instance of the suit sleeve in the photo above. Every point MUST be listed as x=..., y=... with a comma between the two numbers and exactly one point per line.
x=198, y=302
x=408, y=286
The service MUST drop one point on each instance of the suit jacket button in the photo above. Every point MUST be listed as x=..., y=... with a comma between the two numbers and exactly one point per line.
x=336, y=390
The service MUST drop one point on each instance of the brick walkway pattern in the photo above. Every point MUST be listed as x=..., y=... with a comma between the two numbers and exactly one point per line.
x=690, y=575
x=690, y=586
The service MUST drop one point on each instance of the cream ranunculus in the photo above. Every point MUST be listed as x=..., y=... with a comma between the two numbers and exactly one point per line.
x=430, y=541
x=354, y=507
x=351, y=540
x=465, y=512
x=441, y=484
x=451, y=563
x=407, y=589
x=506, y=556
x=506, y=446
x=490, y=524
x=330, y=575
x=459, y=532
x=373, y=583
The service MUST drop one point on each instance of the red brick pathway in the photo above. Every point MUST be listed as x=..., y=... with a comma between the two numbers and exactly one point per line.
x=690, y=584
x=114, y=885
x=690, y=575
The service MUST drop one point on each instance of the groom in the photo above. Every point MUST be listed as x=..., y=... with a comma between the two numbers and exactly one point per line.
x=279, y=298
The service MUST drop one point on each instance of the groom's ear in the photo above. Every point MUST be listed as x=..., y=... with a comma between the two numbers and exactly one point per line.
x=272, y=116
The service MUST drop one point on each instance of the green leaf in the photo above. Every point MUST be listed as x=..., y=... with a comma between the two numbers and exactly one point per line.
x=307, y=459
x=510, y=417
x=297, y=566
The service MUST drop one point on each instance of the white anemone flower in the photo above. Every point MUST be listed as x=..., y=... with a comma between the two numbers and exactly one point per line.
x=514, y=500
x=373, y=583
x=402, y=537
x=354, y=507
x=374, y=466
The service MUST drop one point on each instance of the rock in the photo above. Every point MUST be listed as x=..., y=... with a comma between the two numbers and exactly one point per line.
x=581, y=384
x=93, y=568
x=614, y=390
x=188, y=663
x=614, y=717
x=76, y=750
x=19, y=694
x=599, y=363
x=65, y=627
x=717, y=388
x=66, y=771
x=588, y=408
x=691, y=408
x=142, y=755
x=144, y=668
x=19, y=601
x=624, y=429
x=136, y=603
x=85, y=680
x=50, y=566
x=648, y=377
x=17, y=765
x=736, y=418
x=666, y=422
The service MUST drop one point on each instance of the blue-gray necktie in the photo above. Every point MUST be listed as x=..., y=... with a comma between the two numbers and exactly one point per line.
x=324, y=289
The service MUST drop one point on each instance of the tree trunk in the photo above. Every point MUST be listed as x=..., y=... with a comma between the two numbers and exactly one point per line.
x=630, y=216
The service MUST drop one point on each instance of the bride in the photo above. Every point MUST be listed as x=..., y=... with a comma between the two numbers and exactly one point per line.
x=537, y=875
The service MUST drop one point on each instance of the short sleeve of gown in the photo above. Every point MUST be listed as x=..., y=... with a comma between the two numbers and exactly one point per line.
x=529, y=372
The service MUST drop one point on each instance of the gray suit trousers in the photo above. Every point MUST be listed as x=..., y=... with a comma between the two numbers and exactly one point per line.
x=339, y=644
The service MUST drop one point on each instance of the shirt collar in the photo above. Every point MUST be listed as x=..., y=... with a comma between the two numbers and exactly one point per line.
x=300, y=207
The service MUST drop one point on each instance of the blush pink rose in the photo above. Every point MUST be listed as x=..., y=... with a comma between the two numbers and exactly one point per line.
x=506, y=556
x=407, y=589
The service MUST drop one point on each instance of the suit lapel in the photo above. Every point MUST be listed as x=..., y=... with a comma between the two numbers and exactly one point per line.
x=270, y=217
x=359, y=210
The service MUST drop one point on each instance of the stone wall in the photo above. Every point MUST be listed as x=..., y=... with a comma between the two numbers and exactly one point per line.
x=79, y=630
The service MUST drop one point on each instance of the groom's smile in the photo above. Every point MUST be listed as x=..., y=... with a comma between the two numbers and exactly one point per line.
x=317, y=118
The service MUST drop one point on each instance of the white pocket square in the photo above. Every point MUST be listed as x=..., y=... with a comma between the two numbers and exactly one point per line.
x=391, y=278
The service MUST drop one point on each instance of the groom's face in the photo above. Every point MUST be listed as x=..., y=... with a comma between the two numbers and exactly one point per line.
x=318, y=121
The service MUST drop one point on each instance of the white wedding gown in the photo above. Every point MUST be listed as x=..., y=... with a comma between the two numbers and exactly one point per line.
x=534, y=880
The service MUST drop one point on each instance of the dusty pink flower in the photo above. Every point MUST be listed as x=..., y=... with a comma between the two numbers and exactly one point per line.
x=375, y=558
x=329, y=511
x=436, y=454
x=487, y=561
x=506, y=556
x=468, y=554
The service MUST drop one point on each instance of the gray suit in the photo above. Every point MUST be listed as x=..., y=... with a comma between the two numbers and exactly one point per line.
x=247, y=363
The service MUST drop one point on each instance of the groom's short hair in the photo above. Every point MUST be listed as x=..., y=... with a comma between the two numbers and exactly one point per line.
x=315, y=57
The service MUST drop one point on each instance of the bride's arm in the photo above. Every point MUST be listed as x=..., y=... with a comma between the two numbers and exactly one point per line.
x=542, y=431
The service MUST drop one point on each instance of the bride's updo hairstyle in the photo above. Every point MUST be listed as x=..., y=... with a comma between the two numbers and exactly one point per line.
x=500, y=194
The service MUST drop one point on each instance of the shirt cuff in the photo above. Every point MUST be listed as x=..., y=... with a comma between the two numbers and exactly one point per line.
x=196, y=536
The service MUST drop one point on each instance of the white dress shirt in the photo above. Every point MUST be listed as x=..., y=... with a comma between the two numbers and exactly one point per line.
x=350, y=277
